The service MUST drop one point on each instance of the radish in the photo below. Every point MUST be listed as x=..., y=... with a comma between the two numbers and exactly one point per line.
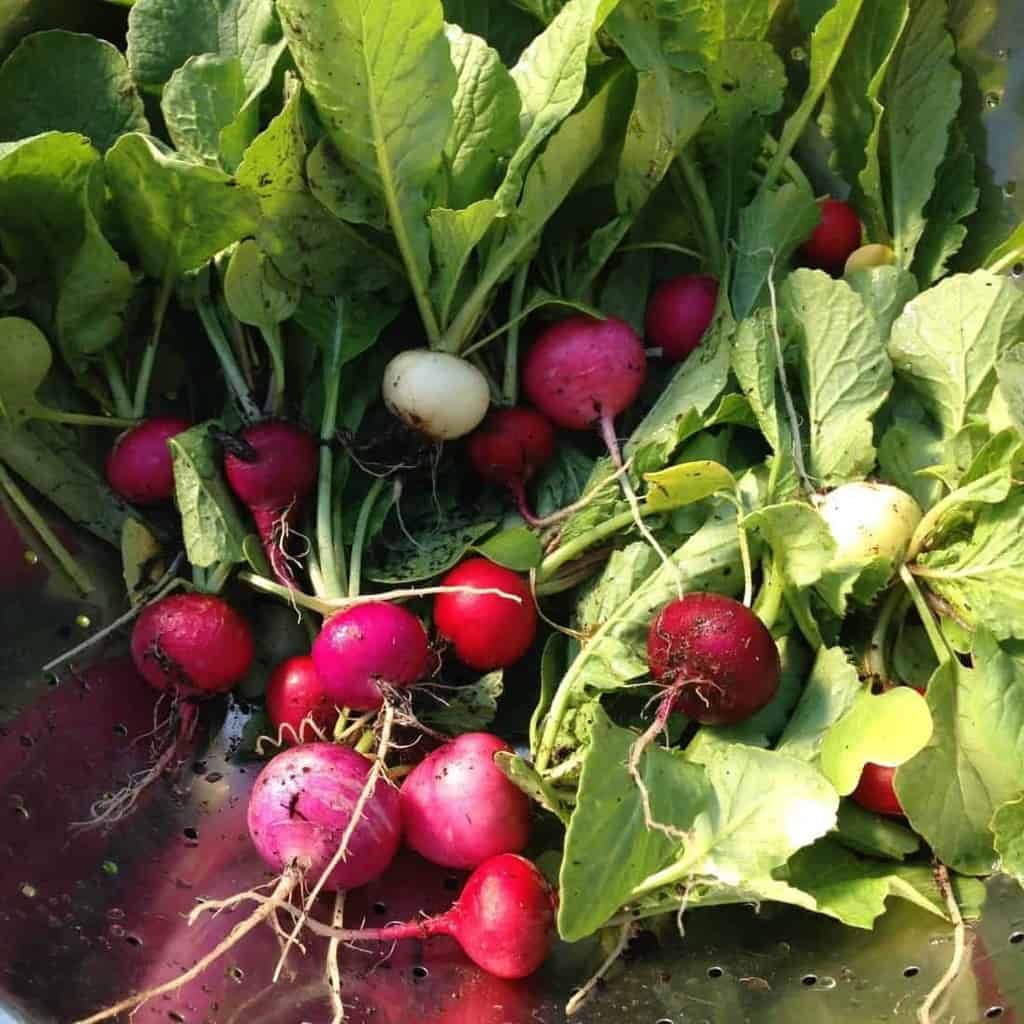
x=868, y=256
x=272, y=468
x=297, y=704
x=869, y=521
x=875, y=790
x=679, y=313
x=436, y=393
x=502, y=919
x=458, y=808
x=368, y=646
x=139, y=466
x=509, y=447
x=837, y=235
x=488, y=631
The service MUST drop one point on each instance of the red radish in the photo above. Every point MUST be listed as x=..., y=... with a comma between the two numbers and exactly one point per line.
x=680, y=312
x=509, y=447
x=837, y=235
x=458, y=808
x=488, y=631
x=194, y=645
x=296, y=701
x=139, y=466
x=875, y=790
x=272, y=468
x=302, y=803
x=502, y=919
x=368, y=645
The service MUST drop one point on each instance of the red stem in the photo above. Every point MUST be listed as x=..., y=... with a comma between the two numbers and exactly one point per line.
x=270, y=525
x=422, y=929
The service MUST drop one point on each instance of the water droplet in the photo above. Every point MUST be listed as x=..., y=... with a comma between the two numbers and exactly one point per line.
x=1003, y=54
x=1017, y=270
x=31, y=558
x=992, y=100
x=798, y=53
x=826, y=982
x=110, y=867
x=29, y=891
x=1010, y=189
x=83, y=621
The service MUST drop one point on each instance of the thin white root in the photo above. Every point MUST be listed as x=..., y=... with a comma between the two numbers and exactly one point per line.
x=566, y=630
x=577, y=1001
x=582, y=502
x=924, y=1014
x=636, y=752
x=376, y=772
x=333, y=970
x=280, y=895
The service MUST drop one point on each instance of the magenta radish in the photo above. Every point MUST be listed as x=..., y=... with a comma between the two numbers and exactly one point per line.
x=835, y=238
x=509, y=447
x=488, y=631
x=502, y=919
x=458, y=808
x=368, y=646
x=297, y=704
x=679, y=313
x=139, y=466
x=272, y=468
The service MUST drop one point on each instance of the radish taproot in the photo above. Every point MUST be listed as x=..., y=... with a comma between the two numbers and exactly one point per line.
x=436, y=393
x=366, y=647
x=139, y=466
x=298, y=706
x=272, y=468
x=458, y=808
x=509, y=447
x=679, y=313
x=488, y=631
x=503, y=919
x=870, y=520
x=837, y=235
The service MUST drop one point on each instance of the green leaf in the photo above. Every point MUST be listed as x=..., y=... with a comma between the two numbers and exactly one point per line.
x=845, y=373
x=63, y=81
x=177, y=214
x=1008, y=829
x=454, y=234
x=982, y=576
x=885, y=291
x=972, y=764
x=872, y=834
x=625, y=570
x=210, y=522
x=887, y=729
x=521, y=773
x=142, y=561
x=163, y=34
x=921, y=97
x=685, y=483
x=518, y=548
x=755, y=364
x=341, y=190
x=563, y=479
x=907, y=447
x=799, y=538
x=552, y=667
x=466, y=708
x=1010, y=373
x=26, y=358
x=831, y=690
x=383, y=82
x=852, y=115
x=1008, y=252
x=204, y=108
x=770, y=229
x=255, y=293
x=307, y=245
x=485, y=118
x=608, y=848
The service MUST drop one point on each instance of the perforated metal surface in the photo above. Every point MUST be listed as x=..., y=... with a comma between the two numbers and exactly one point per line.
x=85, y=919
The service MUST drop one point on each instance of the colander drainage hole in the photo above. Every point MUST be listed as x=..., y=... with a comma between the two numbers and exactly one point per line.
x=191, y=834
x=419, y=972
x=121, y=729
x=992, y=1012
x=809, y=980
x=236, y=974
x=664, y=1020
x=176, y=1017
x=715, y=972
x=1017, y=938
x=450, y=883
x=380, y=908
x=911, y=972
x=133, y=940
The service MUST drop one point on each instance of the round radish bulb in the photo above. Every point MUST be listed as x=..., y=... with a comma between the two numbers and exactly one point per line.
x=582, y=371
x=502, y=919
x=193, y=644
x=439, y=394
x=488, y=631
x=366, y=646
x=272, y=470
x=869, y=521
x=302, y=803
x=837, y=235
x=139, y=466
x=296, y=698
x=458, y=808
x=869, y=256
x=875, y=790
x=679, y=313
x=716, y=658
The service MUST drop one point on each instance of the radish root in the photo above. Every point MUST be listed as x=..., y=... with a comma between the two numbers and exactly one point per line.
x=333, y=972
x=539, y=522
x=924, y=1014
x=579, y=998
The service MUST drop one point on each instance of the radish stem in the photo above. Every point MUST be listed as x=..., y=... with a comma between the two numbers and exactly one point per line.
x=359, y=539
x=935, y=637
x=332, y=556
x=118, y=387
x=510, y=386
x=163, y=297
x=247, y=406
x=271, y=334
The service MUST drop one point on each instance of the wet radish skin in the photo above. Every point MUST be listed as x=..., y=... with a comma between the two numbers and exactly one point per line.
x=875, y=790
x=283, y=471
x=679, y=313
x=139, y=467
x=295, y=694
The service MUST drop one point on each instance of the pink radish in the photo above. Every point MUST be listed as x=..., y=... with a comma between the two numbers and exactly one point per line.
x=139, y=466
x=502, y=919
x=488, y=631
x=835, y=238
x=366, y=646
x=458, y=808
x=272, y=468
x=679, y=313
x=296, y=702
x=509, y=447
